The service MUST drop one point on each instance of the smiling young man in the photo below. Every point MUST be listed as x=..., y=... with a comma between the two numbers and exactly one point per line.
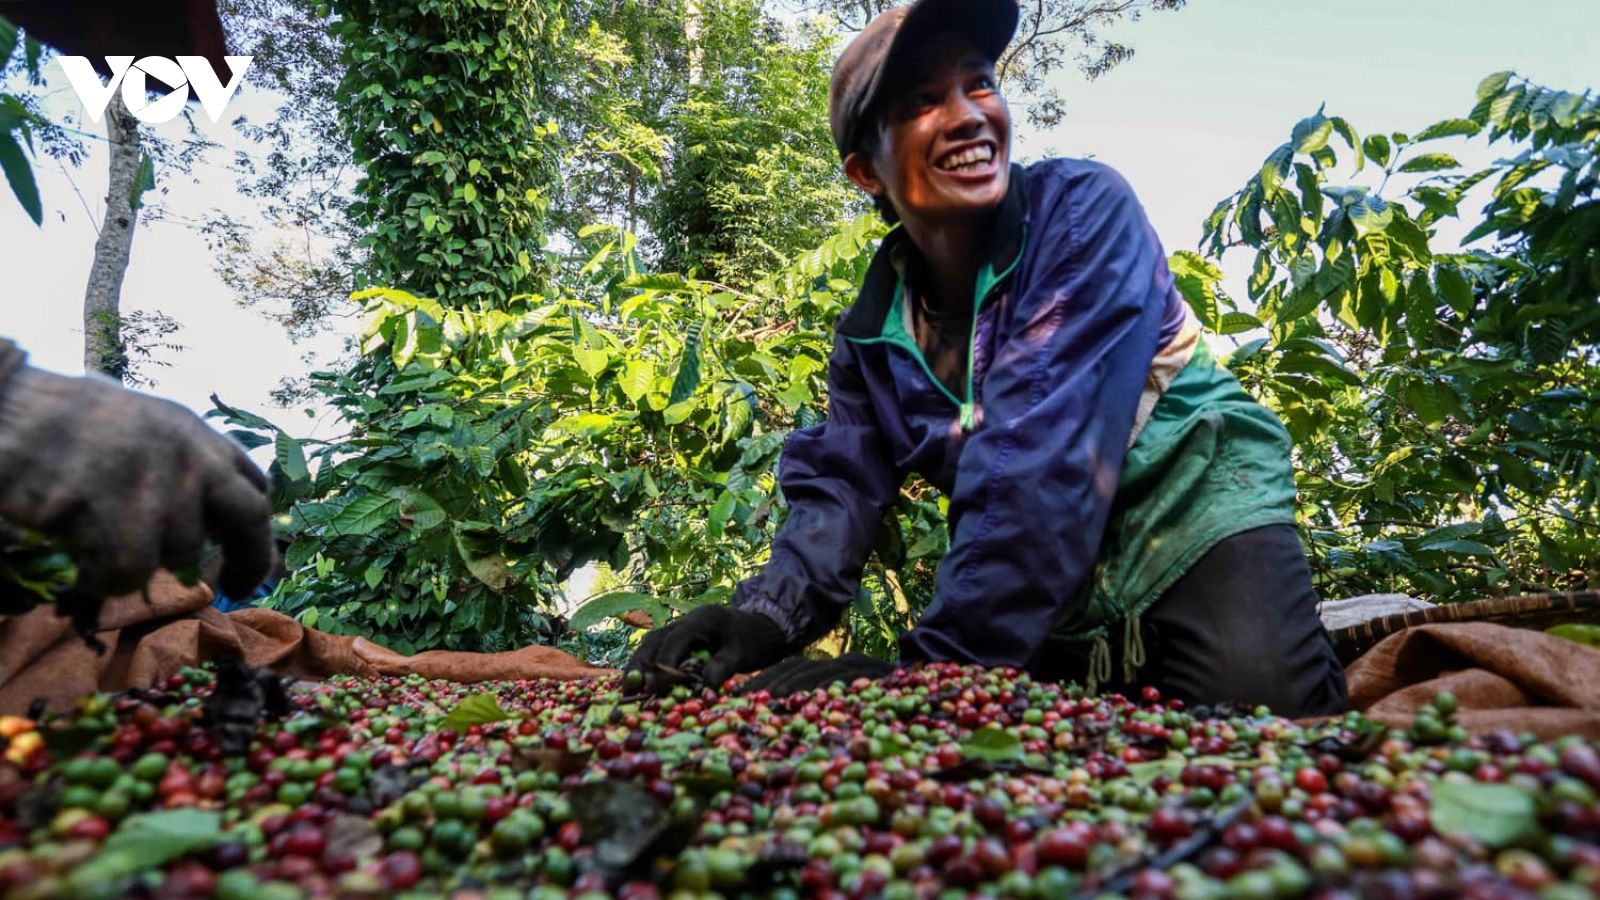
x=1018, y=342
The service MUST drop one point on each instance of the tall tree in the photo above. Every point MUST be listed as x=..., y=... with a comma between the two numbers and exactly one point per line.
x=103, y=349
x=116, y=343
x=754, y=177
x=445, y=108
x=624, y=66
x=295, y=261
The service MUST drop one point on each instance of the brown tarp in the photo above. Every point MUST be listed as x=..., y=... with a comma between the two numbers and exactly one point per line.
x=1504, y=677
x=41, y=657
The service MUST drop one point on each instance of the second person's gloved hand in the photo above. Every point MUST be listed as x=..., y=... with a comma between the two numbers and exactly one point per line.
x=738, y=641
x=800, y=674
x=127, y=482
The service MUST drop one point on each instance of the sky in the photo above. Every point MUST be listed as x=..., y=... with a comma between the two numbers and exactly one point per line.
x=1211, y=90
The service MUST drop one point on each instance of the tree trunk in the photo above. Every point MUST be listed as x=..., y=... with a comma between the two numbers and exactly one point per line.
x=102, y=340
x=691, y=30
x=633, y=201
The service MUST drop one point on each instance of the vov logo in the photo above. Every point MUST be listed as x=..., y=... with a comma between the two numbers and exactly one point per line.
x=192, y=72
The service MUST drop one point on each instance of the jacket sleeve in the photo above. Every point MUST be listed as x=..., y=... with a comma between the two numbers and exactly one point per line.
x=1035, y=482
x=839, y=481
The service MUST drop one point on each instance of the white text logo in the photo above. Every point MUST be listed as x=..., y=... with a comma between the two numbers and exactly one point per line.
x=191, y=71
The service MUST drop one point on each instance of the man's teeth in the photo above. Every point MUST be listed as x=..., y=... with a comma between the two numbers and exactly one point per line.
x=966, y=158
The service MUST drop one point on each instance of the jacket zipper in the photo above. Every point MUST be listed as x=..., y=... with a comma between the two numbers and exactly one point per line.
x=967, y=409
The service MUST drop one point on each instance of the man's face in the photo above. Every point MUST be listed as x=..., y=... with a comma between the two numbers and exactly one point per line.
x=945, y=138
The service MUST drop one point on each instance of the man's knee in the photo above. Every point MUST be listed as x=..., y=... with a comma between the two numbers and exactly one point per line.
x=1242, y=627
x=1291, y=685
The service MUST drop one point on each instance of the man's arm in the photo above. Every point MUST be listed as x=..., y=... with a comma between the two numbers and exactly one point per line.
x=839, y=481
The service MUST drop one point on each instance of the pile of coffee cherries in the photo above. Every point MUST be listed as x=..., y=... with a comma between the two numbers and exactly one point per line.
x=937, y=782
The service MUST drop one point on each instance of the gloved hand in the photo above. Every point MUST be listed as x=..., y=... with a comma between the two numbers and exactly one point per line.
x=128, y=483
x=800, y=674
x=738, y=641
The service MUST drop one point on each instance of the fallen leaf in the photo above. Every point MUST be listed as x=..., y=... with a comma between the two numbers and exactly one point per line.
x=355, y=836
x=1495, y=814
x=149, y=840
x=550, y=759
x=479, y=709
x=992, y=744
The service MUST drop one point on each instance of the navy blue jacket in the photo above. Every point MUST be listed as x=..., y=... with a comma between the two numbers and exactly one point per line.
x=1070, y=310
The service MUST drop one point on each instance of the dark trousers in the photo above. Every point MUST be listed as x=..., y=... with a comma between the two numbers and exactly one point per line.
x=1240, y=627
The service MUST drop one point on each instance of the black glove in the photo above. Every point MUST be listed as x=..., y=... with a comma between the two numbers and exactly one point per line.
x=738, y=641
x=800, y=674
x=126, y=481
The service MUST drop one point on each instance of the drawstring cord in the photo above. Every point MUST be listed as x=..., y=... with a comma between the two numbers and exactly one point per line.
x=1099, y=663
x=1132, y=649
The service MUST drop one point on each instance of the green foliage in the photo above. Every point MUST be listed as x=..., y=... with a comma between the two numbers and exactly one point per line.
x=1441, y=401
x=625, y=67
x=516, y=414
x=754, y=175
x=1495, y=814
x=15, y=123
x=507, y=448
x=405, y=530
x=442, y=108
x=702, y=127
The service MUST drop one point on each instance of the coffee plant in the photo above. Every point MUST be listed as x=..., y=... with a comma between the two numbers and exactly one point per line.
x=636, y=422
x=1441, y=400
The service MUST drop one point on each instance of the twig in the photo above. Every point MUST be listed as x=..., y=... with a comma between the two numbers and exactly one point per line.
x=1120, y=880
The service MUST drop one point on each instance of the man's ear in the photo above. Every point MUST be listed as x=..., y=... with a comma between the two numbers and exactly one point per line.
x=859, y=168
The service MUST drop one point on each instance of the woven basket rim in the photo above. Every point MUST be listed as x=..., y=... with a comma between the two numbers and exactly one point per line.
x=1499, y=609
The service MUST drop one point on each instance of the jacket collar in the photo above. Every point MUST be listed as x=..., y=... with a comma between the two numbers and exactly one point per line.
x=865, y=317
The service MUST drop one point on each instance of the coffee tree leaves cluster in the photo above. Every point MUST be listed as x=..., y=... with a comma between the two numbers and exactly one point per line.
x=633, y=420
x=1441, y=398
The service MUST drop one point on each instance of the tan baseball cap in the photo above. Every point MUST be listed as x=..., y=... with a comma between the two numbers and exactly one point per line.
x=862, y=70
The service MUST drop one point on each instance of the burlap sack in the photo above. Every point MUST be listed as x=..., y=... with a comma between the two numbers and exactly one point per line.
x=1504, y=677
x=42, y=658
